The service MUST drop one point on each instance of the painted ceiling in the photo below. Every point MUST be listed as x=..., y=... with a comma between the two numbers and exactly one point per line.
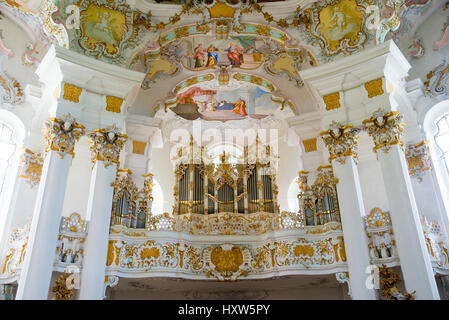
x=231, y=47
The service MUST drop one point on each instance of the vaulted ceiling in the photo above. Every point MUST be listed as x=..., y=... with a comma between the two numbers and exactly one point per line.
x=172, y=42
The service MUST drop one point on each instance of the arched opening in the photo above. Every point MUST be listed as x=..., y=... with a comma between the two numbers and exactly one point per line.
x=436, y=127
x=12, y=133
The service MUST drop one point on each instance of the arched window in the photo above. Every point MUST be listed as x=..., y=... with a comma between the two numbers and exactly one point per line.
x=8, y=147
x=442, y=138
x=436, y=127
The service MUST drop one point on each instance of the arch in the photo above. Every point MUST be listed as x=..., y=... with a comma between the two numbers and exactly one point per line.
x=430, y=120
x=18, y=135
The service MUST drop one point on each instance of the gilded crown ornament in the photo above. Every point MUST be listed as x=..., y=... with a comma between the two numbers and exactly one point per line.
x=60, y=135
x=106, y=145
x=386, y=129
x=341, y=141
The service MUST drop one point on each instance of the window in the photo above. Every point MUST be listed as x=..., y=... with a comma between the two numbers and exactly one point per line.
x=7, y=149
x=442, y=138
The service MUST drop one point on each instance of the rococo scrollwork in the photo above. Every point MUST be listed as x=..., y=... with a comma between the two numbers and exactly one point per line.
x=226, y=261
x=389, y=281
x=386, y=129
x=60, y=135
x=31, y=167
x=341, y=141
x=418, y=159
x=106, y=145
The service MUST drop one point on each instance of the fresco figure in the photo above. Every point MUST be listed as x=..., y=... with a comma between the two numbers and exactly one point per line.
x=240, y=107
x=235, y=54
x=101, y=30
x=224, y=105
x=212, y=56
x=341, y=24
x=443, y=41
x=199, y=56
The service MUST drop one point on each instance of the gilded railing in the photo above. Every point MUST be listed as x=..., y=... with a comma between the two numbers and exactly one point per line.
x=223, y=224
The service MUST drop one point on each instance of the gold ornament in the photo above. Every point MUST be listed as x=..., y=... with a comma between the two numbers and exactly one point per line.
x=106, y=145
x=418, y=159
x=332, y=101
x=309, y=145
x=374, y=88
x=71, y=92
x=60, y=288
x=386, y=129
x=388, y=284
x=341, y=141
x=31, y=167
x=60, y=135
x=113, y=104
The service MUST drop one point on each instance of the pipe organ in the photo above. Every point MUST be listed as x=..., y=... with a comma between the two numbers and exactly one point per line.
x=225, y=183
x=131, y=207
x=318, y=203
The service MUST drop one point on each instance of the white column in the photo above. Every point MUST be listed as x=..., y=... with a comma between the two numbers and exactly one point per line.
x=352, y=210
x=342, y=144
x=415, y=261
x=105, y=148
x=36, y=274
x=386, y=131
x=99, y=208
x=60, y=137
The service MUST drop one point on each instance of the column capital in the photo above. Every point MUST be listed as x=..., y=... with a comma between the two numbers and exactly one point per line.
x=60, y=135
x=341, y=141
x=386, y=129
x=106, y=145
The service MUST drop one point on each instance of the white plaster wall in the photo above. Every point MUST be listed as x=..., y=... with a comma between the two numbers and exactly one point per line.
x=162, y=168
x=289, y=165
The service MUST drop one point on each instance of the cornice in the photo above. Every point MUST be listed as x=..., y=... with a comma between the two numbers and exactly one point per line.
x=385, y=60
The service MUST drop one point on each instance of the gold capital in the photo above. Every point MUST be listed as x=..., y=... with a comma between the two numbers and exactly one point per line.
x=341, y=141
x=386, y=129
x=106, y=145
x=60, y=135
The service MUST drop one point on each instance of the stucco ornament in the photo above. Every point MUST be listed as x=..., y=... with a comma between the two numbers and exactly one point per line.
x=31, y=167
x=106, y=30
x=60, y=135
x=386, y=129
x=106, y=145
x=338, y=26
x=437, y=79
x=11, y=92
x=341, y=141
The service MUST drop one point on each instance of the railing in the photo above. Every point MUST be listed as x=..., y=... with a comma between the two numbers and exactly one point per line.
x=227, y=223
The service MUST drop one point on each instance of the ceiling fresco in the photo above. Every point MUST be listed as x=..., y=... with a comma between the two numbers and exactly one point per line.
x=230, y=45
